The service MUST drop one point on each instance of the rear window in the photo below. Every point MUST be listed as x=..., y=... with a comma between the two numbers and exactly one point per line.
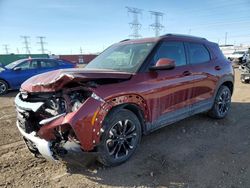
x=198, y=53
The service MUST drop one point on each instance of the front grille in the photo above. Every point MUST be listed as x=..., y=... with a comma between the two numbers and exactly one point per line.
x=26, y=121
x=21, y=124
x=22, y=120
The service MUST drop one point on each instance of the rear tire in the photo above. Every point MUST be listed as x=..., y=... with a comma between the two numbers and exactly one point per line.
x=222, y=103
x=121, y=137
x=3, y=87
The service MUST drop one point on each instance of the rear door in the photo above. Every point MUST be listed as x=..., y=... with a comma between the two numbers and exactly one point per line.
x=48, y=65
x=204, y=78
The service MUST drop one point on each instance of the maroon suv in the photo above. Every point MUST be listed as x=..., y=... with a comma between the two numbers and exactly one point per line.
x=133, y=88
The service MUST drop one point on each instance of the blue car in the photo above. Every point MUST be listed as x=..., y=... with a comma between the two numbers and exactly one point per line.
x=15, y=73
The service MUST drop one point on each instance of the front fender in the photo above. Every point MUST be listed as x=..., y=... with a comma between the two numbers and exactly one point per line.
x=87, y=120
x=81, y=122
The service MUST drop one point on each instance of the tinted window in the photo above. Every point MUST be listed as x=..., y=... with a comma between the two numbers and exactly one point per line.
x=25, y=65
x=48, y=64
x=198, y=53
x=34, y=64
x=171, y=50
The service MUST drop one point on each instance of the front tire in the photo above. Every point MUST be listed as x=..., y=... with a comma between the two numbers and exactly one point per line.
x=222, y=103
x=121, y=136
x=3, y=87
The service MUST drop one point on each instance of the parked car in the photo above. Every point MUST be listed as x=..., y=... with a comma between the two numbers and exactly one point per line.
x=245, y=72
x=237, y=56
x=131, y=89
x=15, y=73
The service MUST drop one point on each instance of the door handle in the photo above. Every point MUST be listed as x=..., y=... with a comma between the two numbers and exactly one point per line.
x=217, y=67
x=186, y=73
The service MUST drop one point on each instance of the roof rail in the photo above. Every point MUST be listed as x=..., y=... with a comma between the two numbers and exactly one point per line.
x=182, y=35
x=124, y=40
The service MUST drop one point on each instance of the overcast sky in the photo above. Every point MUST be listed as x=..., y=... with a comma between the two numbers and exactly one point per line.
x=95, y=24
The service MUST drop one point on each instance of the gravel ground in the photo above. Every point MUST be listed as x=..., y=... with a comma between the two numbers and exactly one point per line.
x=193, y=153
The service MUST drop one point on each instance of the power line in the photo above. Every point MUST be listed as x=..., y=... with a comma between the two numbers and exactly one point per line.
x=218, y=7
x=216, y=24
x=26, y=43
x=135, y=24
x=42, y=43
x=157, y=26
x=6, y=48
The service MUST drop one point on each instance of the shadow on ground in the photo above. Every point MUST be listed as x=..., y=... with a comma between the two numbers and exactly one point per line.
x=195, y=152
x=11, y=93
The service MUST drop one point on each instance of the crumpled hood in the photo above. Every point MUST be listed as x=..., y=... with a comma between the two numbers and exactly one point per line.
x=55, y=80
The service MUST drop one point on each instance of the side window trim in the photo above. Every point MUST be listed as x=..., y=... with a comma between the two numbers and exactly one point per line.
x=186, y=46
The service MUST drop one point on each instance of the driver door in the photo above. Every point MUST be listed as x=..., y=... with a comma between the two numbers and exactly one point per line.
x=27, y=69
x=170, y=90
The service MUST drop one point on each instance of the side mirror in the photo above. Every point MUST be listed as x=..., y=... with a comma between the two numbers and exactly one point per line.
x=164, y=64
x=17, y=68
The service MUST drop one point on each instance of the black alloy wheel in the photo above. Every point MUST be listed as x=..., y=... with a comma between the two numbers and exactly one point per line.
x=222, y=103
x=121, y=137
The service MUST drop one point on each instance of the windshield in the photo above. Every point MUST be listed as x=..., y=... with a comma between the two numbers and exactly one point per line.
x=13, y=64
x=122, y=57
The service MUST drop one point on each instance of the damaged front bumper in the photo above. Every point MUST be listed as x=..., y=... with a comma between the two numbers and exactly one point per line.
x=41, y=145
x=68, y=151
x=44, y=142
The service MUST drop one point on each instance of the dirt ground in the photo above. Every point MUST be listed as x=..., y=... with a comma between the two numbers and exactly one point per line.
x=194, y=153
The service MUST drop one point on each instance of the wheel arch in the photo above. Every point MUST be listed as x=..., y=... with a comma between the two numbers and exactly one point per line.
x=6, y=82
x=134, y=108
x=228, y=81
x=230, y=85
x=132, y=102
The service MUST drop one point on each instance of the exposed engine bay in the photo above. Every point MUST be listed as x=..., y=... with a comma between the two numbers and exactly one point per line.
x=53, y=106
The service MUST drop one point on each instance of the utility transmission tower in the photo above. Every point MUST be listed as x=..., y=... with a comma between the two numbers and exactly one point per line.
x=226, y=38
x=26, y=44
x=42, y=43
x=135, y=24
x=6, y=48
x=157, y=26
